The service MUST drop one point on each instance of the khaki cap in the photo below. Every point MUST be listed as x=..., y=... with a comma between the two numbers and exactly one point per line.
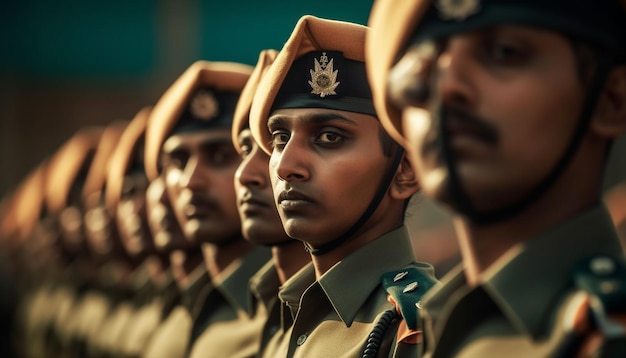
x=220, y=76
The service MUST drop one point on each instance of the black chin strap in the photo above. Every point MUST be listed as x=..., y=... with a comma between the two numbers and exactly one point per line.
x=462, y=201
x=380, y=194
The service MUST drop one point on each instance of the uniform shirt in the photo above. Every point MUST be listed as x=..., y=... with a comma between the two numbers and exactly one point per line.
x=171, y=338
x=332, y=317
x=519, y=308
x=224, y=327
x=264, y=303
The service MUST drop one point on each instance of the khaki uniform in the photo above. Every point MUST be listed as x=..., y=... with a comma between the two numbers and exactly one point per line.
x=332, y=317
x=171, y=338
x=264, y=303
x=225, y=327
x=526, y=300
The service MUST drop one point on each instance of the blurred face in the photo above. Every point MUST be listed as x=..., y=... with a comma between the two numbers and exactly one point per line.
x=508, y=99
x=131, y=216
x=199, y=170
x=99, y=227
x=325, y=168
x=260, y=222
x=166, y=232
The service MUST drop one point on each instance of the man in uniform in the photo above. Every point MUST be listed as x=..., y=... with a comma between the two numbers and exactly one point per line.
x=126, y=200
x=509, y=109
x=260, y=222
x=341, y=186
x=188, y=139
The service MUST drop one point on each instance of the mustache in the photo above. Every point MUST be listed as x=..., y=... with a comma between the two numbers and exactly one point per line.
x=203, y=200
x=450, y=117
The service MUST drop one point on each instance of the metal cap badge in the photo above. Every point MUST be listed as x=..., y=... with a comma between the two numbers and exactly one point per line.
x=204, y=105
x=323, y=77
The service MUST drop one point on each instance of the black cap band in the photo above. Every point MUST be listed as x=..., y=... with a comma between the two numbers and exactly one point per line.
x=602, y=22
x=207, y=109
x=325, y=79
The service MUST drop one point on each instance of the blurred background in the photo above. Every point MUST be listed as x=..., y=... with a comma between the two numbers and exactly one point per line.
x=66, y=64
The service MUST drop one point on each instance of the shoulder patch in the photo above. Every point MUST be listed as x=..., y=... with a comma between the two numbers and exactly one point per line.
x=406, y=287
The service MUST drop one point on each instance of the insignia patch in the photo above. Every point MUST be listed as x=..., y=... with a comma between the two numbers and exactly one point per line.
x=457, y=9
x=204, y=105
x=323, y=77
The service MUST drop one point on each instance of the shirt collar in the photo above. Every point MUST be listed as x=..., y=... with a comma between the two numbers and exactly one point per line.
x=537, y=271
x=263, y=288
x=359, y=273
x=542, y=269
x=234, y=282
x=198, y=280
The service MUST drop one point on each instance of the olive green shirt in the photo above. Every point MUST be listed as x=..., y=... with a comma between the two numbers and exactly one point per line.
x=264, y=304
x=171, y=338
x=518, y=309
x=332, y=317
x=224, y=327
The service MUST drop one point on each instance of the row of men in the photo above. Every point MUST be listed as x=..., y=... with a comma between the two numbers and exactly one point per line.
x=180, y=233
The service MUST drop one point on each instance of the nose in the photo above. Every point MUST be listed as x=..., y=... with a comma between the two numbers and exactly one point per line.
x=410, y=79
x=433, y=71
x=193, y=175
x=455, y=71
x=253, y=170
x=289, y=163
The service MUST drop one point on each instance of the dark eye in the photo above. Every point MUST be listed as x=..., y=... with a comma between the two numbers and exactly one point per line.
x=279, y=139
x=177, y=160
x=329, y=138
x=222, y=156
x=245, y=146
x=504, y=52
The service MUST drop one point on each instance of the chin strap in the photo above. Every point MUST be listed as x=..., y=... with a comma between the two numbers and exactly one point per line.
x=463, y=203
x=380, y=194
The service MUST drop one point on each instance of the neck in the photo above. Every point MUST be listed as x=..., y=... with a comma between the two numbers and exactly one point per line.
x=482, y=245
x=289, y=259
x=218, y=257
x=383, y=221
x=183, y=263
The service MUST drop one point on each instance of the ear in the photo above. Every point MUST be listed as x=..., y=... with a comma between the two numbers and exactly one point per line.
x=404, y=184
x=609, y=120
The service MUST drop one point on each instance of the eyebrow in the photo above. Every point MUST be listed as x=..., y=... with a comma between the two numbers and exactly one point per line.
x=180, y=145
x=279, y=120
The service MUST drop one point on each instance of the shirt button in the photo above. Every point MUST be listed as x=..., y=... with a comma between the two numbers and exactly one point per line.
x=301, y=340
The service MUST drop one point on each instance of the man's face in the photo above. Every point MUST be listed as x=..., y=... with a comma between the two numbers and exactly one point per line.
x=199, y=169
x=325, y=168
x=166, y=231
x=511, y=98
x=260, y=222
x=131, y=216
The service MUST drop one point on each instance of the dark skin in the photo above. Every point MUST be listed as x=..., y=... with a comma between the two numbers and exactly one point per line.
x=523, y=84
x=325, y=169
x=259, y=217
x=199, y=169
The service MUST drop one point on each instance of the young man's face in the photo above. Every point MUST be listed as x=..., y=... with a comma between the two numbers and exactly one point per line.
x=163, y=224
x=514, y=98
x=260, y=222
x=131, y=216
x=199, y=169
x=325, y=167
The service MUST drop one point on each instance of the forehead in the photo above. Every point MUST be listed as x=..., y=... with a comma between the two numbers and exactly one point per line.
x=320, y=116
x=190, y=141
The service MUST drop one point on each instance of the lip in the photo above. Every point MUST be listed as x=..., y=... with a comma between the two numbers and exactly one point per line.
x=252, y=203
x=293, y=200
x=462, y=125
x=198, y=207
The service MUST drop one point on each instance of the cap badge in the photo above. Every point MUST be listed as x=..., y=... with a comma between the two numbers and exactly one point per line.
x=323, y=77
x=457, y=9
x=204, y=105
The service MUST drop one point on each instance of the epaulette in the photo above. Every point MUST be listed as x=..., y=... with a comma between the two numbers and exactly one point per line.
x=406, y=287
x=603, y=277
